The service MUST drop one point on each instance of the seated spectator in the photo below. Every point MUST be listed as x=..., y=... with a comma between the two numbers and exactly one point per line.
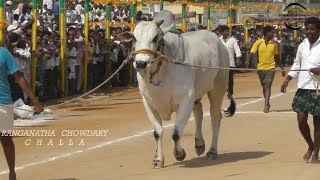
x=16, y=22
x=26, y=13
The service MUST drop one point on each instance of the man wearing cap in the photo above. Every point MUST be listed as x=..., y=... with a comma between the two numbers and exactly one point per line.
x=9, y=12
x=56, y=10
x=15, y=19
x=80, y=7
x=20, y=28
x=48, y=3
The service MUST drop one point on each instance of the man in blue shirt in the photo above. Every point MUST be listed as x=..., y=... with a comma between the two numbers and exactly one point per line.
x=56, y=11
x=9, y=65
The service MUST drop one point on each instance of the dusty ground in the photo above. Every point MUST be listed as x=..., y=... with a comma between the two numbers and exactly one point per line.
x=252, y=145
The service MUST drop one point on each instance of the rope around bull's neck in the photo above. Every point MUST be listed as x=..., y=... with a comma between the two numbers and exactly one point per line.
x=161, y=57
x=168, y=59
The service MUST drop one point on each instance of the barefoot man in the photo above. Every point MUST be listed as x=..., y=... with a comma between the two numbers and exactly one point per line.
x=8, y=65
x=306, y=100
x=268, y=53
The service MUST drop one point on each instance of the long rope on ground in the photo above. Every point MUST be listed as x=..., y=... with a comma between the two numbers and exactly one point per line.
x=91, y=91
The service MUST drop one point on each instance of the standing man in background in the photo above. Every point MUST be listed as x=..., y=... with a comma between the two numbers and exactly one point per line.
x=234, y=51
x=56, y=10
x=268, y=53
x=9, y=12
x=48, y=3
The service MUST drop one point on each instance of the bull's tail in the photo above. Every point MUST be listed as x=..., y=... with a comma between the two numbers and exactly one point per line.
x=232, y=108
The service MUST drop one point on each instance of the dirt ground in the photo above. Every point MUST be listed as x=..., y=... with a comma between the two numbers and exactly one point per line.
x=252, y=144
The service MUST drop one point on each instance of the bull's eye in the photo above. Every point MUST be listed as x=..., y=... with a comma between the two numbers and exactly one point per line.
x=155, y=39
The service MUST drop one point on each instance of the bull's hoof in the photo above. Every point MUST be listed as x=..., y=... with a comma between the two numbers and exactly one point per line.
x=157, y=164
x=212, y=155
x=200, y=149
x=226, y=113
x=181, y=156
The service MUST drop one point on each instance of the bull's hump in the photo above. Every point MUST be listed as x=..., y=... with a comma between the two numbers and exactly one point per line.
x=144, y=25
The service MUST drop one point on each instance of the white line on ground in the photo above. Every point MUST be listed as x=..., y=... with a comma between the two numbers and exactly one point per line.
x=37, y=120
x=20, y=123
x=117, y=140
x=261, y=112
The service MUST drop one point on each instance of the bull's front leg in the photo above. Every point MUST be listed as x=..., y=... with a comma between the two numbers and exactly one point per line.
x=154, y=117
x=183, y=114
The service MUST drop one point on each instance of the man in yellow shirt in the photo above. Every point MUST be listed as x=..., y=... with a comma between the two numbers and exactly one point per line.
x=268, y=53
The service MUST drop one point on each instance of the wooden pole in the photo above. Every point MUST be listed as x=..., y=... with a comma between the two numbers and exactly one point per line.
x=34, y=46
x=86, y=47
x=209, y=18
x=246, y=39
x=132, y=14
x=108, y=20
x=2, y=26
x=184, y=18
x=64, y=90
x=161, y=5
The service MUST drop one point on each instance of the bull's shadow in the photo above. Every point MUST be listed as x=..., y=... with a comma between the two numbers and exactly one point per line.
x=248, y=97
x=283, y=110
x=64, y=179
x=222, y=159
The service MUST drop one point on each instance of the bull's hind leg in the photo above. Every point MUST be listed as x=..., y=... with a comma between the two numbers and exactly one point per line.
x=215, y=98
x=183, y=114
x=154, y=117
x=198, y=116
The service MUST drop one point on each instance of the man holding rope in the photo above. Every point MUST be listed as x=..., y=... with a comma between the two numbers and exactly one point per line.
x=307, y=99
x=268, y=53
x=9, y=65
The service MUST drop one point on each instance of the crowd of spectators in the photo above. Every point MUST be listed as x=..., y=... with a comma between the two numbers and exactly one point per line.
x=102, y=62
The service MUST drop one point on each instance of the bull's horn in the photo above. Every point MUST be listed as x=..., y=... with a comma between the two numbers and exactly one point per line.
x=159, y=23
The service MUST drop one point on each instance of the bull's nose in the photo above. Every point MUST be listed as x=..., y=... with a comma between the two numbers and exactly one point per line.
x=141, y=64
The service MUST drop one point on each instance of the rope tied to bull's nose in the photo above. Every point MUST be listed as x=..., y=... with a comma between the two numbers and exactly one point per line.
x=158, y=55
x=145, y=51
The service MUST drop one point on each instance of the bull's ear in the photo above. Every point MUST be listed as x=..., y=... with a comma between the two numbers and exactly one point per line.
x=159, y=23
x=126, y=37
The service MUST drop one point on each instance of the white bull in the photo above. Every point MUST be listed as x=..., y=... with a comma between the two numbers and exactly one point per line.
x=166, y=87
